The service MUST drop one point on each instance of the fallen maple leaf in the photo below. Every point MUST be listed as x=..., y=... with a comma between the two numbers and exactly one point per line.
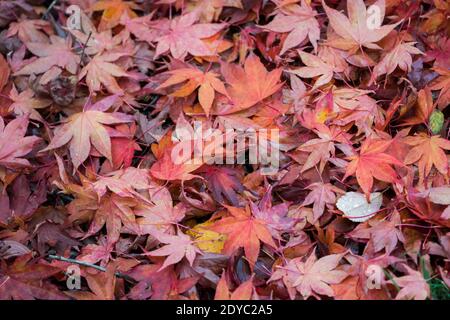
x=439, y=53
x=399, y=56
x=347, y=289
x=162, y=216
x=113, y=211
x=13, y=143
x=177, y=247
x=364, y=268
x=23, y=201
x=211, y=10
x=93, y=253
x=84, y=128
x=442, y=83
x=243, y=231
x=322, y=149
x=354, y=31
x=144, y=28
x=299, y=21
x=102, y=285
x=321, y=194
x=206, y=82
x=5, y=72
x=113, y=10
x=30, y=30
x=385, y=234
x=168, y=168
x=413, y=285
x=125, y=183
x=224, y=183
x=329, y=239
x=263, y=83
x=315, y=67
x=182, y=36
x=123, y=148
x=242, y=292
x=158, y=283
x=53, y=234
x=427, y=152
x=297, y=95
x=25, y=280
x=312, y=277
x=372, y=162
x=98, y=43
x=275, y=216
x=58, y=53
x=102, y=71
x=26, y=102
x=424, y=108
x=315, y=275
x=354, y=105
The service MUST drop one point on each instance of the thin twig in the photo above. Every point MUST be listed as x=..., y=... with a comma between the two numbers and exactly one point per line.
x=81, y=60
x=83, y=50
x=58, y=28
x=87, y=264
x=390, y=277
x=50, y=7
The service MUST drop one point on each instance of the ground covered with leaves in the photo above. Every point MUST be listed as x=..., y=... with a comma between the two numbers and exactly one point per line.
x=93, y=204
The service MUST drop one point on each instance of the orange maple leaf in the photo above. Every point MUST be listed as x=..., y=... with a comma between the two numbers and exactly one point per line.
x=427, y=151
x=243, y=292
x=442, y=83
x=371, y=163
x=4, y=72
x=116, y=213
x=206, y=82
x=424, y=108
x=113, y=10
x=167, y=168
x=263, y=83
x=244, y=231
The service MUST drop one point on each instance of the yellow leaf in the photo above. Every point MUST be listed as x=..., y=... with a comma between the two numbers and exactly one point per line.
x=207, y=240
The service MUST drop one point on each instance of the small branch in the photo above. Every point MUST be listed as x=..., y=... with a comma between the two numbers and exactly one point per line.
x=81, y=59
x=47, y=16
x=50, y=7
x=58, y=28
x=83, y=50
x=90, y=265
x=6, y=280
x=390, y=277
x=81, y=263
